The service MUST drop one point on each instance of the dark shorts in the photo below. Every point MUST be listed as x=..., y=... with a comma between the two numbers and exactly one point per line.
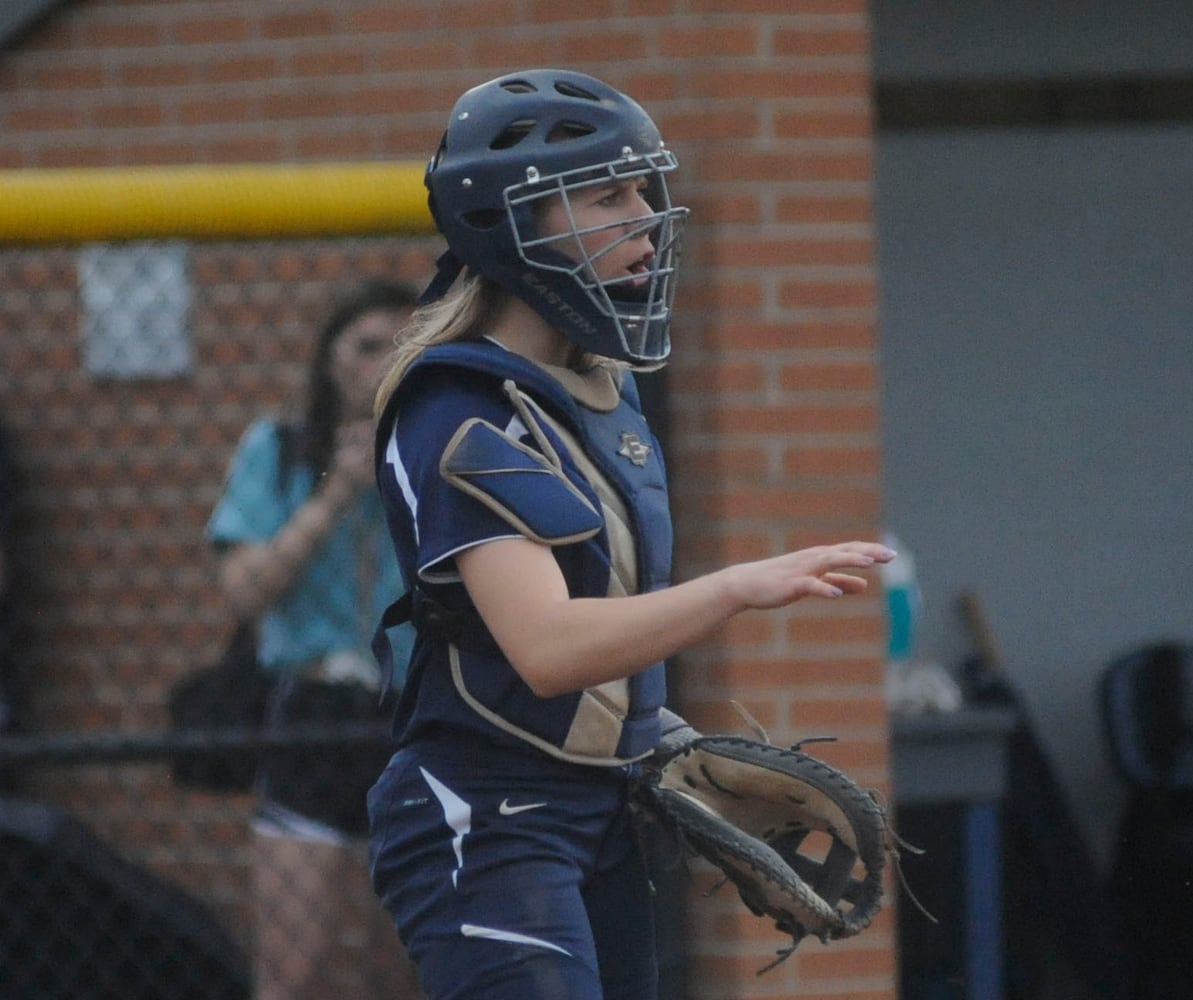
x=512, y=877
x=325, y=783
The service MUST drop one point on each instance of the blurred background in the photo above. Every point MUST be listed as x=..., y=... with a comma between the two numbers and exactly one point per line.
x=936, y=285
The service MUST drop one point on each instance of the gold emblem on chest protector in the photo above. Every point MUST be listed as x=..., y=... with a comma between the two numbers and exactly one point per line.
x=633, y=448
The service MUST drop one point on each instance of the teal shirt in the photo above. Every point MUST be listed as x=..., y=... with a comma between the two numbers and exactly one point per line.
x=323, y=613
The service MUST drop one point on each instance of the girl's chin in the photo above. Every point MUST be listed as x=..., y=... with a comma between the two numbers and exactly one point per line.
x=625, y=291
x=628, y=279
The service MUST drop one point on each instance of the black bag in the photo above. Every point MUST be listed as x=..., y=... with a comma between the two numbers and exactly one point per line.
x=229, y=695
x=329, y=779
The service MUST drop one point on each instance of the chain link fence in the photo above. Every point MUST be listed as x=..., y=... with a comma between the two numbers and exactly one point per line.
x=134, y=888
x=128, y=373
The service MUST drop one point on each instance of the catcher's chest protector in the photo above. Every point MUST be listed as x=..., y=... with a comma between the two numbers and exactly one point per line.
x=610, y=508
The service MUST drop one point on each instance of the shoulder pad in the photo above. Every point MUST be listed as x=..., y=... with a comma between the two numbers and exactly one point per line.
x=518, y=484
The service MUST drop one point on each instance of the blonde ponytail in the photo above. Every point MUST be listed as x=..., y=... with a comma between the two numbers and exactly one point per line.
x=462, y=314
x=465, y=313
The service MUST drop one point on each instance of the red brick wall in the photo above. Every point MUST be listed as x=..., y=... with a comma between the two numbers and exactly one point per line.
x=773, y=388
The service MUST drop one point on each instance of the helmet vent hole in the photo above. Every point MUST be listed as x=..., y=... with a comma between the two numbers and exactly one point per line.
x=568, y=89
x=484, y=218
x=569, y=130
x=519, y=87
x=513, y=133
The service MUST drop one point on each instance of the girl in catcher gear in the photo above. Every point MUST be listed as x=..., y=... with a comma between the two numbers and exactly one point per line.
x=527, y=501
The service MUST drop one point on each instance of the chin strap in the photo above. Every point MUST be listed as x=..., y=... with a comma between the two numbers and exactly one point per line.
x=447, y=270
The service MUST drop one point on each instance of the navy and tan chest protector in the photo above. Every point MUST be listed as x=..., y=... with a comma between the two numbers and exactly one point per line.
x=584, y=476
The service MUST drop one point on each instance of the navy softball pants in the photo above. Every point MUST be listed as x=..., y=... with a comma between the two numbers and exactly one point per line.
x=511, y=877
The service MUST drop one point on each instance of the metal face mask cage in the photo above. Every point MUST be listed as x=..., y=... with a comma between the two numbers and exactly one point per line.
x=637, y=306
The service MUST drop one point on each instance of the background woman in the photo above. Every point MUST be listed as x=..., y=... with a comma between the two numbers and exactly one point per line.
x=304, y=553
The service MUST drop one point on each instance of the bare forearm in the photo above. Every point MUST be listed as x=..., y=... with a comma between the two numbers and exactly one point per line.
x=558, y=643
x=584, y=642
x=254, y=576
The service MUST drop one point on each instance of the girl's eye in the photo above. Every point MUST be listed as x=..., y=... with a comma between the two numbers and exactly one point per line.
x=623, y=193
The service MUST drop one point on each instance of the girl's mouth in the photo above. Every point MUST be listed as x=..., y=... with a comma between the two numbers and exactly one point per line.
x=640, y=270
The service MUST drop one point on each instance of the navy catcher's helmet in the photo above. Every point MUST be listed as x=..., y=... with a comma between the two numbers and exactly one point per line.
x=529, y=136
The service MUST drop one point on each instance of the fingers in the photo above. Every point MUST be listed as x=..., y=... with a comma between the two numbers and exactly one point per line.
x=831, y=585
x=352, y=462
x=844, y=583
x=831, y=558
x=856, y=554
x=820, y=570
x=358, y=434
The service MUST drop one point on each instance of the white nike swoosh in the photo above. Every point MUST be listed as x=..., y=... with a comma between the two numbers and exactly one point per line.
x=507, y=810
x=495, y=934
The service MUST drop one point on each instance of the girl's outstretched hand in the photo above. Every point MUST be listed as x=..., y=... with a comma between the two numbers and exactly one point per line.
x=821, y=571
x=560, y=644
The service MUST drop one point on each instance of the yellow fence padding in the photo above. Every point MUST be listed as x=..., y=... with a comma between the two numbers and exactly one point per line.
x=211, y=202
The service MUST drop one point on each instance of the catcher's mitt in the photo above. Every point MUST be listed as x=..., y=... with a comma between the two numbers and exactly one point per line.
x=753, y=810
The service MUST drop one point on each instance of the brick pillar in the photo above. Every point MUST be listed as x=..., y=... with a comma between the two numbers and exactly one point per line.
x=774, y=424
